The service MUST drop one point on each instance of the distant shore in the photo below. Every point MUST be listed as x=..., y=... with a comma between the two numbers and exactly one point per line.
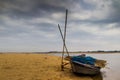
x=55, y=52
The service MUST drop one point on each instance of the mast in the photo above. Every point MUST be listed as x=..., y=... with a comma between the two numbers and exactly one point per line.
x=64, y=39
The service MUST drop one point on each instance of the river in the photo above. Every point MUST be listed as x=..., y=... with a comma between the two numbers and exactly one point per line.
x=112, y=69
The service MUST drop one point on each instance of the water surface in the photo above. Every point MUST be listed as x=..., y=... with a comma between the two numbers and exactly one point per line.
x=112, y=69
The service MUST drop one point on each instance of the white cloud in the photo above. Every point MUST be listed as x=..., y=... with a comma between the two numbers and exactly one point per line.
x=99, y=11
x=43, y=20
x=81, y=16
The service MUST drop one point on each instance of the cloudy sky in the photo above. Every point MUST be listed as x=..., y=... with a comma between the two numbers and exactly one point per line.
x=31, y=25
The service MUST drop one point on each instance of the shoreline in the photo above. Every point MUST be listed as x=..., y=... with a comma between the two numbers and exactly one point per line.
x=35, y=67
x=58, y=52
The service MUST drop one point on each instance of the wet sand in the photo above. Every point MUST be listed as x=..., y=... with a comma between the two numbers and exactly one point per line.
x=36, y=67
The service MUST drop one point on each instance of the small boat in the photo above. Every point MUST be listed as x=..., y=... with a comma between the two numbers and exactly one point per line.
x=86, y=69
x=78, y=67
x=86, y=64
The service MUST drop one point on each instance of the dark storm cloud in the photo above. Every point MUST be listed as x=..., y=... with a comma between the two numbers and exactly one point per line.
x=116, y=7
x=36, y=21
x=32, y=8
x=44, y=8
x=86, y=6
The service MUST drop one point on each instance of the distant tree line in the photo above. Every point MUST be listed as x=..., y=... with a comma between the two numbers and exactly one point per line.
x=98, y=51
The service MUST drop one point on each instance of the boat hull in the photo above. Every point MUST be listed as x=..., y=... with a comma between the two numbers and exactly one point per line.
x=81, y=68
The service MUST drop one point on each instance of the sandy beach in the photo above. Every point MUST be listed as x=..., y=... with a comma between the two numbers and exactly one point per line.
x=35, y=67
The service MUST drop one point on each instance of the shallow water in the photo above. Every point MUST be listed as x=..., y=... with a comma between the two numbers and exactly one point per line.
x=112, y=69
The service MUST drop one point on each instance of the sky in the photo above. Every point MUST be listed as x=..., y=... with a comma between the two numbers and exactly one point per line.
x=32, y=25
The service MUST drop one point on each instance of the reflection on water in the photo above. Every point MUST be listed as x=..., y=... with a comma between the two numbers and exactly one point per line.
x=97, y=77
x=111, y=71
x=92, y=77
